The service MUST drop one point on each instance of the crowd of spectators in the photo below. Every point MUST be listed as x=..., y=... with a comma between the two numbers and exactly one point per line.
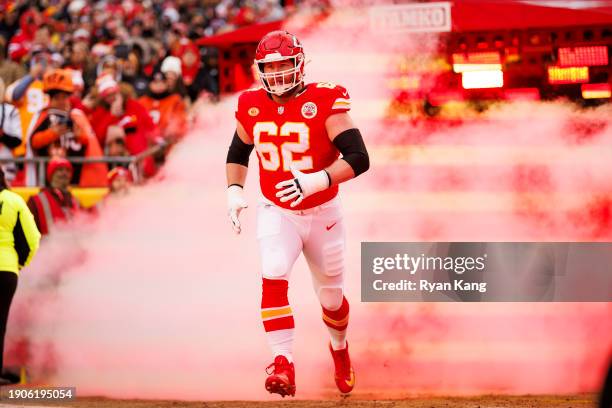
x=86, y=86
x=84, y=78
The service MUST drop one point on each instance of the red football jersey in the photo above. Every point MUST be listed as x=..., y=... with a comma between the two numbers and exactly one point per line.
x=292, y=133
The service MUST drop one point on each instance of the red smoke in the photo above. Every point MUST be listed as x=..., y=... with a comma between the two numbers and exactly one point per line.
x=158, y=299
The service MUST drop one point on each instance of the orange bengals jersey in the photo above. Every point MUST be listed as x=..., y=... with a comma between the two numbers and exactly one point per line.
x=169, y=114
x=29, y=106
x=292, y=134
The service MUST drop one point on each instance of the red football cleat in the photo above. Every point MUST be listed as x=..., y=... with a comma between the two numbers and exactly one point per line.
x=282, y=378
x=344, y=373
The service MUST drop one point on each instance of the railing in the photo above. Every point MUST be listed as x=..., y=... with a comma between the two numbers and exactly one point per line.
x=132, y=162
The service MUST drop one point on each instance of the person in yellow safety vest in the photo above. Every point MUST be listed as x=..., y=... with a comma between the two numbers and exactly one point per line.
x=19, y=240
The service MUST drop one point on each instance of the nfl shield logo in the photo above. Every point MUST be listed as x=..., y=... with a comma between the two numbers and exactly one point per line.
x=281, y=109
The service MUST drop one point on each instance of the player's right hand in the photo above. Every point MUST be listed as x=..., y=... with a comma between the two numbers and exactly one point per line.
x=235, y=204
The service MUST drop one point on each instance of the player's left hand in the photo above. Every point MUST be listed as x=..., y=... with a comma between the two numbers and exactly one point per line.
x=301, y=186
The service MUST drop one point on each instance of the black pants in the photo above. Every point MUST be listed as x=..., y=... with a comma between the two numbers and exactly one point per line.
x=8, y=285
x=606, y=394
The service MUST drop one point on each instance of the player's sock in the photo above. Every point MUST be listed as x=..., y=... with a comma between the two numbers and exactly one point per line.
x=337, y=322
x=277, y=317
x=281, y=343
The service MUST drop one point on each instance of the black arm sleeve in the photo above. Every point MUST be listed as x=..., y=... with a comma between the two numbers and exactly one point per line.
x=350, y=144
x=239, y=151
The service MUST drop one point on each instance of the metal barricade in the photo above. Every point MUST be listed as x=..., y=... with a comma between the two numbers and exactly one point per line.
x=133, y=162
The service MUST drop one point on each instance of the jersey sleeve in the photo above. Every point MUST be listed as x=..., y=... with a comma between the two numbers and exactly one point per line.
x=340, y=100
x=240, y=108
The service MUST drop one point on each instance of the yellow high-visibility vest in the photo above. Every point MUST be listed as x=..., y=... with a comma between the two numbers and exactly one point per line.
x=19, y=236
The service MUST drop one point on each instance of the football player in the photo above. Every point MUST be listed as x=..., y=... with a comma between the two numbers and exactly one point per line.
x=307, y=145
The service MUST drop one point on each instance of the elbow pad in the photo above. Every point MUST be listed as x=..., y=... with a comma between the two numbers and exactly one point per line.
x=351, y=145
x=239, y=151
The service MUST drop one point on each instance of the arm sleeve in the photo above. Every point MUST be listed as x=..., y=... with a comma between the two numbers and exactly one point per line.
x=239, y=151
x=350, y=144
x=42, y=135
x=240, y=108
x=82, y=128
x=21, y=87
x=237, y=112
x=43, y=138
x=26, y=235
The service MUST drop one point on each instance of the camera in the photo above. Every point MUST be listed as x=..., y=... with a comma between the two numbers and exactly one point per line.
x=60, y=119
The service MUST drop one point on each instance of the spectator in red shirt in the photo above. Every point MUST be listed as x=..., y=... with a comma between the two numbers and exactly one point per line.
x=117, y=107
x=54, y=204
x=21, y=43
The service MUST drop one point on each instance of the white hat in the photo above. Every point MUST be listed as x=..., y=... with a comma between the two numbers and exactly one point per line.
x=77, y=79
x=81, y=34
x=106, y=85
x=100, y=50
x=171, y=14
x=171, y=64
x=76, y=6
x=57, y=59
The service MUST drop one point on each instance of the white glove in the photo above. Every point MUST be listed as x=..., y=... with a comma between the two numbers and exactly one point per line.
x=235, y=204
x=301, y=186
